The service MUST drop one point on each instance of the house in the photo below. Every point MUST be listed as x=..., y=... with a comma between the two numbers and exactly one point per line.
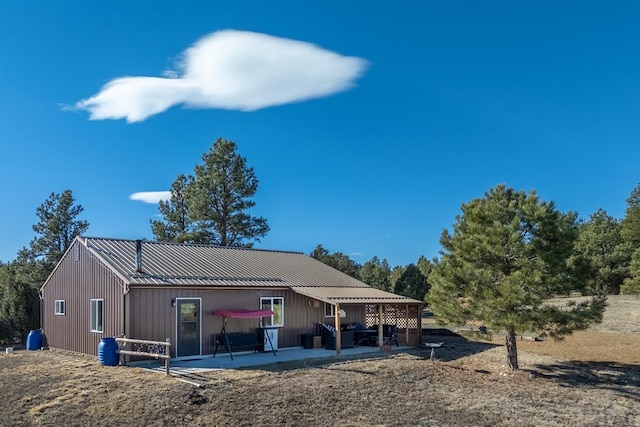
x=106, y=287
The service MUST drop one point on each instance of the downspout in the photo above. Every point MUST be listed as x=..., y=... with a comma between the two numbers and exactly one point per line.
x=41, y=299
x=125, y=310
x=124, y=359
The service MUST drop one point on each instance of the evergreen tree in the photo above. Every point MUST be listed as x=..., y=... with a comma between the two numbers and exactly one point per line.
x=57, y=227
x=425, y=266
x=337, y=260
x=508, y=254
x=4, y=280
x=600, y=241
x=394, y=276
x=630, y=226
x=375, y=273
x=211, y=206
x=412, y=283
x=631, y=284
x=178, y=226
x=19, y=305
x=630, y=231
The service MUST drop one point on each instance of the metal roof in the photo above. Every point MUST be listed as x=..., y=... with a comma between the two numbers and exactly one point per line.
x=178, y=264
x=344, y=295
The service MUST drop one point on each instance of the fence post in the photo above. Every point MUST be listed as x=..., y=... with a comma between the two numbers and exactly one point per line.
x=166, y=361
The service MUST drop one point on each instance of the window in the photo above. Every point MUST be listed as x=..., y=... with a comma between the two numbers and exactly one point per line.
x=276, y=304
x=96, y=315
x=329, y=310
x=60, y=307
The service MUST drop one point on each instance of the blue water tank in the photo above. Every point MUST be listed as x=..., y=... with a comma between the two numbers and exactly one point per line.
x=107, y=352
x=34, y=340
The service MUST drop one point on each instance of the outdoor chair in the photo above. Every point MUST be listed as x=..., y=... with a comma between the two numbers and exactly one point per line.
x=329, y=337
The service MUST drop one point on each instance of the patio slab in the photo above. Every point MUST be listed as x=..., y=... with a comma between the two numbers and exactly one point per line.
x=199, y=364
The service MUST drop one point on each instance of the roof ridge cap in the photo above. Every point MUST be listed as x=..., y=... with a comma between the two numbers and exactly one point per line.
x=203, y=245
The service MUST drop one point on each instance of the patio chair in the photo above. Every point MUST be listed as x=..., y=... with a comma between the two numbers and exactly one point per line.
x=329, y=337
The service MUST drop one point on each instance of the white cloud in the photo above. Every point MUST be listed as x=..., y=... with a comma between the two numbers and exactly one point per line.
x=151, y=196
x=234, y=70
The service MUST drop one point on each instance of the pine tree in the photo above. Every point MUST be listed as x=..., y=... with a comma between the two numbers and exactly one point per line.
x=508, y=254
x=631, y=284
x=600, y=241
x=630, y=231
x=57, y=227
x=630, y=225
x=375, y=273
x=337, y=260
x=177, y=225
x=412, y=283
x=211, y=207
x=19, y=305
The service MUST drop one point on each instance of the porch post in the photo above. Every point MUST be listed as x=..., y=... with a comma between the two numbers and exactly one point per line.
x=167, y=359
x=380, y=326
x=419, y=325
x=406, y=319
x=338, y=332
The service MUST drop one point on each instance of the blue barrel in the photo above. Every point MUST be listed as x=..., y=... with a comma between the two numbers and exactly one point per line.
x=107, y=352
x=34, y=340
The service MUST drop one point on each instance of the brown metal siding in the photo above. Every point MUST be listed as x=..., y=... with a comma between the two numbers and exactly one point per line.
x=154, y=318
x=79, y=278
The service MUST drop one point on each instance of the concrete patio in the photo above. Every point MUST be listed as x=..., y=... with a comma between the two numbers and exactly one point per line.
x=200, y=364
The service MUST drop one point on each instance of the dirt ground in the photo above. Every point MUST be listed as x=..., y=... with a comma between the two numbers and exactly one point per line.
x=592, y=378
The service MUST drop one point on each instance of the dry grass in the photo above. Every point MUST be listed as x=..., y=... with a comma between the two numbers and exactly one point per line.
x=592, y=378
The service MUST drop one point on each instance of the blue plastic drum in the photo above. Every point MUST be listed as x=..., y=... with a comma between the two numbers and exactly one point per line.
x=34, y=340
x=108, y=352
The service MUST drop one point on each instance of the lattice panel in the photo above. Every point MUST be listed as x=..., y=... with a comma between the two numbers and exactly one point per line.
x=405, y=317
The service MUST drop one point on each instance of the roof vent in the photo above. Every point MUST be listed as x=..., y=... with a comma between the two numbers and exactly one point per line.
x=139, y=256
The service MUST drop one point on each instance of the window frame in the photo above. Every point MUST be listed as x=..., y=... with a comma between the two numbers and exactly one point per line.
x=60, y=307
x=332, y=310
x=96, y=315
x=270, y=301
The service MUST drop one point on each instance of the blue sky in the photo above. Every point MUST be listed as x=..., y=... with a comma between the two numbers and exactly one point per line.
x=368, y=142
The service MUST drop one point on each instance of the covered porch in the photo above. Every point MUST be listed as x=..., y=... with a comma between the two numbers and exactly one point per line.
x=388, y=319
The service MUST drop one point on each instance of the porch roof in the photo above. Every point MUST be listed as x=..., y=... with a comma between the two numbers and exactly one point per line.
x=344, y=295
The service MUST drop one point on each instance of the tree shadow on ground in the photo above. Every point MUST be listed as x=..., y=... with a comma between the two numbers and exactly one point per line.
x=455, y=346
x=618, y=377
